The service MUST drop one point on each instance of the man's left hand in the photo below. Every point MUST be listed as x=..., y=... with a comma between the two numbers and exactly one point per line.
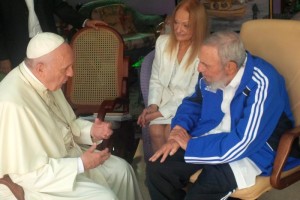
x=101, y=130
x=94, y=23
x=168, y=149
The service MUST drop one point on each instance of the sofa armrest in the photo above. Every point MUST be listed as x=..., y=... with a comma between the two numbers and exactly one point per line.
x=146, y=23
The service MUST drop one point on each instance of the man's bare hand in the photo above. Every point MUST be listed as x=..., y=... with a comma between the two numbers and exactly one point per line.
x=92, y=158
x=180, y=135
x=94, y=23
x=168, y=149
x=101, y=130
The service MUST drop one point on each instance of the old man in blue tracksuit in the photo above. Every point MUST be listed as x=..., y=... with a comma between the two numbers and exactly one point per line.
x=230, y=127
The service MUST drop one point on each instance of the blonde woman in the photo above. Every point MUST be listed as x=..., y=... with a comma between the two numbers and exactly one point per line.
x=174, y=70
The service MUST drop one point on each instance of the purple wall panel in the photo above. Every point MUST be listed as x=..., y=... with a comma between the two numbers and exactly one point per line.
x=160, y=7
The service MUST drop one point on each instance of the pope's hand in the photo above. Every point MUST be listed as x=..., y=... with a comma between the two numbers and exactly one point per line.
x=92, y=158
x=101, y=130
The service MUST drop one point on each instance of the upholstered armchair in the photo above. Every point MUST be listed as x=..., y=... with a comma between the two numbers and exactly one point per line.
x=136, y=29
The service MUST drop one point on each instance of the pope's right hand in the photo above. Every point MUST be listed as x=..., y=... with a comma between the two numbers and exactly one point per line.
x=92, y=158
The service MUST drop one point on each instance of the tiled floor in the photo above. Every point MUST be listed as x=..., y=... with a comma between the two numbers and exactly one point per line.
x=290, y=193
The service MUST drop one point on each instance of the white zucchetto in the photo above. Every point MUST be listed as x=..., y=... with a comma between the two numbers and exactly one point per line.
x=42, y=44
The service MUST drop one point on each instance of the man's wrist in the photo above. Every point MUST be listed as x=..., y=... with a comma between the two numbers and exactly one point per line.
x=152, y=108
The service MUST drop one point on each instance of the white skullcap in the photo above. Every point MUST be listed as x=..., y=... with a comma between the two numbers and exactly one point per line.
x=42, y=44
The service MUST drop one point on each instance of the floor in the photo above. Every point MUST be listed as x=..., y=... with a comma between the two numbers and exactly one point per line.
x=138, y=164
x=290, y=193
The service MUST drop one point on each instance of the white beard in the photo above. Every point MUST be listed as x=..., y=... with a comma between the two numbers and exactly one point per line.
x=214, y=86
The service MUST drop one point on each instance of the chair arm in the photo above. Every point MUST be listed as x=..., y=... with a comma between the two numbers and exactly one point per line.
x=111, y=105
x=125, y=77
x=14, y=188
x=284, y=148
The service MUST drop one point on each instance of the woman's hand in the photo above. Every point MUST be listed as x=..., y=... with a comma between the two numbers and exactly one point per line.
x=150, y=113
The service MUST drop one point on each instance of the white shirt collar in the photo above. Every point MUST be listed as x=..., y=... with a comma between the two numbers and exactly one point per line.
x=33, y=76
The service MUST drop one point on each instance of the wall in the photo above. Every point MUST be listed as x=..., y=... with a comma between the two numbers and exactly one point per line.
x=160, y=7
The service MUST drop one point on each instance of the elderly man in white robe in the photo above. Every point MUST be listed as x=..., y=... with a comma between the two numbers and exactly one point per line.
x=39, y=133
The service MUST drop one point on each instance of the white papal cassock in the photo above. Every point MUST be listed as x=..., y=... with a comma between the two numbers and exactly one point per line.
x=39, y=147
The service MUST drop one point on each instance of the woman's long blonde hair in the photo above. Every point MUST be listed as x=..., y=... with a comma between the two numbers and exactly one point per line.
x=198, y=22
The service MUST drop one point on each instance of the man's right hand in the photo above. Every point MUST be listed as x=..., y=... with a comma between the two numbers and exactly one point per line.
x=92, y=158
x=5, y=66
x=168, y=149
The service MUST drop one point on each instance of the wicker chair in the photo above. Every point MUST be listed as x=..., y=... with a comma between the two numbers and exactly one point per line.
x=100, y=72
x=277, y=41
x=99, y=84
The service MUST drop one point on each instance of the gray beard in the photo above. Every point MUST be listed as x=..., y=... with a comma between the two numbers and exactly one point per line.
x=214, y=86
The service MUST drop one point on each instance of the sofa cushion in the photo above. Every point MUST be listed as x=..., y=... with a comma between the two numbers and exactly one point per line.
x=116, y=16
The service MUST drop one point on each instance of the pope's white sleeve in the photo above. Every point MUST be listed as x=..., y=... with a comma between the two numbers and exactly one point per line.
x=85, y=132
x=58, y=175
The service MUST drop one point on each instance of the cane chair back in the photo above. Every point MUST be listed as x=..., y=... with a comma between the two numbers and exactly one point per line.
x=100, y=69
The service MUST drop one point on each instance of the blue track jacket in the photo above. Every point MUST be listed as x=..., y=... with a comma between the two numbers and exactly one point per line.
x=260, y=113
